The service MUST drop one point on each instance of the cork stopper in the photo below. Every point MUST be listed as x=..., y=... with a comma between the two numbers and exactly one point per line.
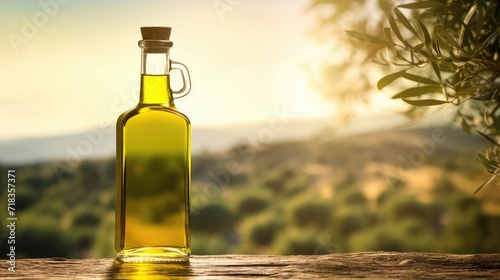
x=156, y=33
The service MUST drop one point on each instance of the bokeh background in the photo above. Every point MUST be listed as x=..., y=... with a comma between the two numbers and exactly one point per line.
x=293, y=151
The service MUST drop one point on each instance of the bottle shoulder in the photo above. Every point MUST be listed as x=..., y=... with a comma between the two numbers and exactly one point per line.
x=139, y=111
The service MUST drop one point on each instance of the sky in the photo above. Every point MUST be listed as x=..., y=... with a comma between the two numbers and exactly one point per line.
x=68, y=66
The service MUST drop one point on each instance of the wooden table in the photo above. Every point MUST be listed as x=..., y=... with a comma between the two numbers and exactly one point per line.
x=377, y=265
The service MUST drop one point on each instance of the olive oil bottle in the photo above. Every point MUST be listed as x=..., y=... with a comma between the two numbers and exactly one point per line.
x=153, y=162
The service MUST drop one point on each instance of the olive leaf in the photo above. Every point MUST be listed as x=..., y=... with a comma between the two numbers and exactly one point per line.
x=420, y=79
x=405, y=21
x=385, y=81
x=425, y=31
x=425, y=102
x=485, y=183
x=489, y=40
x=468, y=91
x=422, y=5
x=488, y=138
x=488, y=164
x=465, y=126
x=417, y=91
x=397, y=32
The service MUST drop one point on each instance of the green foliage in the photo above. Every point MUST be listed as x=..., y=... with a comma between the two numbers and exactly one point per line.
x=213, y=219
x=104, y=246
x=251, y=203
x=309, y=213
x=86, y=218
x=316, y=213
x=284, y=182
x=444, y=52
x=25, y=198
x=263, y=229
x=402, y=207
x=297, y=242
x=351, y=196
x=203, y=244
x=379, y=238
x=42, y=236
x=350, y=220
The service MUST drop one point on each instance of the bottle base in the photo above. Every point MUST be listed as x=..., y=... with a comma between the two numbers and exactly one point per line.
x=155, y=254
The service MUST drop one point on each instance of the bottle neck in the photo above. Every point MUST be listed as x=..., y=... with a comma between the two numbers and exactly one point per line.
x=155, y=79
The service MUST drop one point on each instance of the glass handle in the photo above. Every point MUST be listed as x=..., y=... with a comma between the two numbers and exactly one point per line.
x=186, y=79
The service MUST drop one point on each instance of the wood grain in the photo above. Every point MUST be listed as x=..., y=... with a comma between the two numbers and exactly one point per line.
x=378, y=265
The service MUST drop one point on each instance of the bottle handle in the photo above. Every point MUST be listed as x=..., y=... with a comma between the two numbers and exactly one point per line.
x=186, y=79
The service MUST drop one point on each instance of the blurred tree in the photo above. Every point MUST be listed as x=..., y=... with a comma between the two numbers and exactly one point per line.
x=286, y=182
x=203, y=244
x=86, y=217
x=298, y=242
x=104, y=240
x=88, y=176
x=42, y=236
x=252, y=204
x=263, y=229
x=445, y=53
x=25, y=198
x=215, y=218
x=311, y=212
x=83, y=226
x=378, y=238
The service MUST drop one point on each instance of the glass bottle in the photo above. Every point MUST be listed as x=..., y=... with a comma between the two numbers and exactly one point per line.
x=153, y=162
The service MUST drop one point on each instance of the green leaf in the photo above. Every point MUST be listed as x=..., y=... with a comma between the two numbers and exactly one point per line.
x=450, y=40
x=488, y=164
x=444, y=90
x=486, y=183
x=479, y=22
x=468, y=91
x=395, y=29
x=457, y=78
x=388, y=34
x=427, y=36
x=484, y=97
x=379, y=61
x=468, y=37
x=425, y=102
x=386, y=80
x=419, y=79
x=418, y=48
x=496, y=120
x=445, y=66
x=436, y=47
x=422, y=5
x=488, y=40
x=417, y=91
x=435, y=66
x=465, y=126
x=470, y=13
x=488, y=138
x=426, y=54
x=367, y=38
x=458, y=60
x=405, y=21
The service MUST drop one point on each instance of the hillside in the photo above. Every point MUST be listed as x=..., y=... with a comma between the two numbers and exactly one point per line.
x=405, y=190
x=100, y=143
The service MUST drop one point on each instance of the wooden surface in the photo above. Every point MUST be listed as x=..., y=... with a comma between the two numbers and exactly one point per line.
x=378, y=265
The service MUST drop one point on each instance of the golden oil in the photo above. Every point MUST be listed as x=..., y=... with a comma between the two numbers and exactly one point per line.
x=153, y=173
